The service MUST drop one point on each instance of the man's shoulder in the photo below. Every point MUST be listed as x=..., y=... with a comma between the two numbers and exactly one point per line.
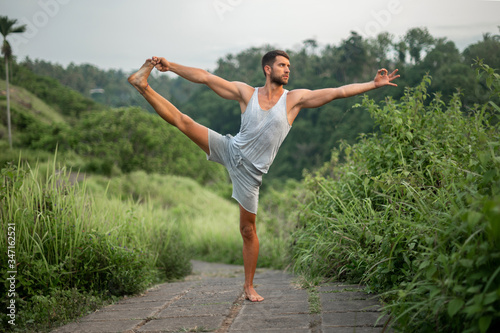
x=297, y=93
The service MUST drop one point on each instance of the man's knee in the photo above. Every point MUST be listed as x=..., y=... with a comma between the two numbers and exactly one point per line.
x=248, y=231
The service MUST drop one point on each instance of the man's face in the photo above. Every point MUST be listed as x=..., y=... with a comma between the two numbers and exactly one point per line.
x=280, y=71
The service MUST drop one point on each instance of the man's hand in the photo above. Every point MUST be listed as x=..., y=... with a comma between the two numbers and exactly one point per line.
x=384, y=79
x=161, y=64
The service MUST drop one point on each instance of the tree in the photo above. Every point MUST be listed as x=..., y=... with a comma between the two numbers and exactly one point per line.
x=418, y=40
x=354, y=57
x=7, y=28
x=488, y=49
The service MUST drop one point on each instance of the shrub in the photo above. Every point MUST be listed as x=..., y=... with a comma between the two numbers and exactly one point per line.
x=414, y=212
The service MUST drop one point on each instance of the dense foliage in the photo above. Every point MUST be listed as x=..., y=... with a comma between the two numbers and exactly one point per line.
x=414, y=212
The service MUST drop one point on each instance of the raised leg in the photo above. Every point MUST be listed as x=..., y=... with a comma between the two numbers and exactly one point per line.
x=196, y=132
x=250, y=253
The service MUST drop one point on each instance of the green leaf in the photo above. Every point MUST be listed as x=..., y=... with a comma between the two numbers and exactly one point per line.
x=490, y=298
x=495, y=106
x=484, y=323
x=454, y=306
x=424, y=264
x=467, y=263
x=474, y=289
x=430, y=272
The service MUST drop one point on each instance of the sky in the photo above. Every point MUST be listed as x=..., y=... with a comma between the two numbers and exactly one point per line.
x=121, y=34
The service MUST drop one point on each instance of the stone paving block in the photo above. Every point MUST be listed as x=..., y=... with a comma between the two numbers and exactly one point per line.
x=335, y=305
x=226, y=299
x=183, y=324
x=353, y=330
x=342, y=296
x=273, y=330
x=121, y=306
x=283, y=295
x=218, y=286
x=278, y=322
x=280, y=280
x=341, y=287
x=111, y=326
x=171, y=286
x=120, y=315
x=147, y=299
x=274, y=308
x=195, y=311
x=212, y=293
x=276, y=286
x=352, y=319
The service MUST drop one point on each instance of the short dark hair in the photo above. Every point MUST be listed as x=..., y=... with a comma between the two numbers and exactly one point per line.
x=270, y=57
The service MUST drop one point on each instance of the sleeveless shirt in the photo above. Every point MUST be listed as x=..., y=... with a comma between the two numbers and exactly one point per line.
x=262, y=131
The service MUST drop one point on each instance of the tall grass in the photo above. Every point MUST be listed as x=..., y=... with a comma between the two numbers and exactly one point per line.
x=414, y=213
x=70, y=239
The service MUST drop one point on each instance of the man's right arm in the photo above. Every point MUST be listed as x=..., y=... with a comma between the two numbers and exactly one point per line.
x=236, y=91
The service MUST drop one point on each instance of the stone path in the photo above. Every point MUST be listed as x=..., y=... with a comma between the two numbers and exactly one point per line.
x=211, y=300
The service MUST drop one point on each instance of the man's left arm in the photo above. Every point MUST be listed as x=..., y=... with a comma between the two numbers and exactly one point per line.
x=317, y=98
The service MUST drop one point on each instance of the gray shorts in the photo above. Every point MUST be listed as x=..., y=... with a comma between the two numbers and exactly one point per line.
x=246, y=178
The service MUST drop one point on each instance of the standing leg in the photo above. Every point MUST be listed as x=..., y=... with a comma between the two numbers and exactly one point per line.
x=250, y=252
x=196, y=132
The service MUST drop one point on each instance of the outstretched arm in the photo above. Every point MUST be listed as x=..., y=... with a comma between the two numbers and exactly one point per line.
x=317, y=98
x=225, y=89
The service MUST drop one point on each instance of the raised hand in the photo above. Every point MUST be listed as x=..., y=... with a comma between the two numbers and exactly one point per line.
x=383, y=78
x=161, y=64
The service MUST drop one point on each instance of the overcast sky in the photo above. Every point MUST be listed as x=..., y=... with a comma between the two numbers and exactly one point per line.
x=121, y=34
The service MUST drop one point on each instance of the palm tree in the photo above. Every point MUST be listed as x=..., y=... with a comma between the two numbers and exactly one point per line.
x=6, y=28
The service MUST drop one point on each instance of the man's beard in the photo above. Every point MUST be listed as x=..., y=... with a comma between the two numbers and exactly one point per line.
x=278, y=79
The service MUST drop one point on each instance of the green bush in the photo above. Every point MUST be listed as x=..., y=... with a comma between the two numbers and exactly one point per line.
x=414, y=213
x=44, y=312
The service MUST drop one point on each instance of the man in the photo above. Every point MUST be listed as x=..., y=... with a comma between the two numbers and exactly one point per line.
x=268, y=113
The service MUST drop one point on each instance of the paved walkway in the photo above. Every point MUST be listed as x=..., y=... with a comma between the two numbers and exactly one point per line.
x=211, y=300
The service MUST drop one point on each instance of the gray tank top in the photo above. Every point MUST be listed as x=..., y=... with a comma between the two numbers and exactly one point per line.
x=262, y=131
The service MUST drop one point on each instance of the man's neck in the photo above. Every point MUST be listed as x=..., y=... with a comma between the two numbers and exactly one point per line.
x=271, y=89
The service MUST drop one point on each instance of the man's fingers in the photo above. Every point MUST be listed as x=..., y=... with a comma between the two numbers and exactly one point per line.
x=382, y=71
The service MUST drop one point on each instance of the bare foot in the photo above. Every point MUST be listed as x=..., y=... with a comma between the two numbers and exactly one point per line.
x=140, y=78
x=252, y=296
